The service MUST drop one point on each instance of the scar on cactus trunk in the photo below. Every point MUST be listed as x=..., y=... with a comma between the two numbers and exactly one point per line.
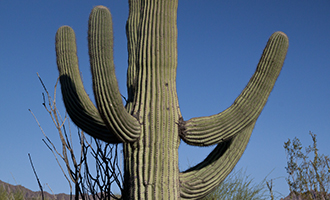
x=150, y=125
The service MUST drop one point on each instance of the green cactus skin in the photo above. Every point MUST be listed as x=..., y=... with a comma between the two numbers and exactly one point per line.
x=150, y=126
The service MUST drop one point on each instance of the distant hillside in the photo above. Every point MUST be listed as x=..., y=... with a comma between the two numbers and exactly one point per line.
x=28, y=194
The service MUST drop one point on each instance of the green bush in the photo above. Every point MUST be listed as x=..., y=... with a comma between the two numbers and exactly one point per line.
x=238, y=186
x=4, y=195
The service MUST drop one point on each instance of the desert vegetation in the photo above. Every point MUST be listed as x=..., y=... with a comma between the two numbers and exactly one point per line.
x=308, y=170
x=237, y=186
x=308, y=177
x=10, y=195
x=90, y=172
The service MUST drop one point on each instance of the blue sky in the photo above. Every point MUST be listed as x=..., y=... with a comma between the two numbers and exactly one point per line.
x=219, y=46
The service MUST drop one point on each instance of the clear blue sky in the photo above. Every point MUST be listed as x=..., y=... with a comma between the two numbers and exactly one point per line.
x=219, y=46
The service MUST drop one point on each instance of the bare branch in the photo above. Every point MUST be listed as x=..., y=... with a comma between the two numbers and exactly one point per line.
x=105, y=156
x=35, y=173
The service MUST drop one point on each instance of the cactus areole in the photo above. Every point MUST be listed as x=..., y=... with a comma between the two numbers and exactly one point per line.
x=150, y=125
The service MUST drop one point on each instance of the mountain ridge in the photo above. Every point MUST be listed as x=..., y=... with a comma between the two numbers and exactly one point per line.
x=29, y=194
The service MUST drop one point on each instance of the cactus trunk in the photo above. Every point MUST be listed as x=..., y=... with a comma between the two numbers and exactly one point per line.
x=151, y=163
x=150, y=126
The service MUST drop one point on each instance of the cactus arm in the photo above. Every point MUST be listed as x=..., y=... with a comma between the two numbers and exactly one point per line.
x=200, y=180
x=241, y=117
x=107, y=96
x=205, y=131
x=78, y=105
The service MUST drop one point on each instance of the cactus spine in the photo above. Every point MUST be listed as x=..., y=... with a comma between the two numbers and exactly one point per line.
x=150, y=126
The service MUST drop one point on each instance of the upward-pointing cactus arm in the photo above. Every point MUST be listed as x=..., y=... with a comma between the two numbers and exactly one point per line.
x=111, y=122
x=78, y=105
x=204, y=131
x=106, y=91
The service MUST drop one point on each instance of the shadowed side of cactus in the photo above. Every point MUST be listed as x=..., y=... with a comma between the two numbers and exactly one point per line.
x=150, y=125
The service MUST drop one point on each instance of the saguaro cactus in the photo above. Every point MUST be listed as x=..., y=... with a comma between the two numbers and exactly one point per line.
x=150, y=126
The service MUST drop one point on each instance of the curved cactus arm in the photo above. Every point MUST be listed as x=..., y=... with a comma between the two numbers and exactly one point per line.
x=200, y=180
x=78, y=105
x=107, y=96
x=204, y=131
